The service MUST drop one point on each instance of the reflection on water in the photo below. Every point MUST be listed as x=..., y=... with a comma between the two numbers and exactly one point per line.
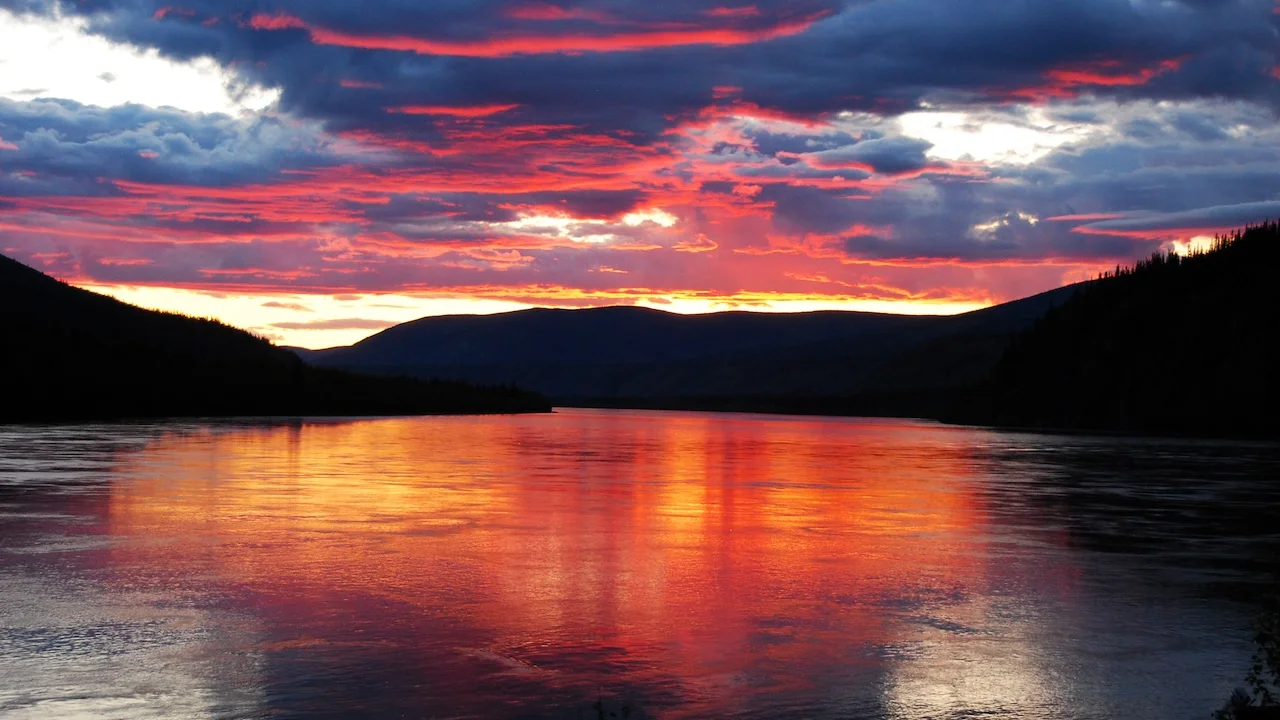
x=682, y=564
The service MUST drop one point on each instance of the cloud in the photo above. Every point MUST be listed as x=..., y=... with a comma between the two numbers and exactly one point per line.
x=68, y=147
x=278, y=305
x=699, y=244
x=1219, y=218
x=628, y=40
x=649, y=61
x=904, y=150
x=336, y=324
x=883, y=155
x=462, y=111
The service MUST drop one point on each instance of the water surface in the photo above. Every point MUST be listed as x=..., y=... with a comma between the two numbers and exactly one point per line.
x=682, y=565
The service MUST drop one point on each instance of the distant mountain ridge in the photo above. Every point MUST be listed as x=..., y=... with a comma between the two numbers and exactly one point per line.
x=70, y=354
x=1174, y=345
x=640, y=356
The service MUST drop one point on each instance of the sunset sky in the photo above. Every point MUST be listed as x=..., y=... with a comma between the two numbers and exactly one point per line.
x=316, y=170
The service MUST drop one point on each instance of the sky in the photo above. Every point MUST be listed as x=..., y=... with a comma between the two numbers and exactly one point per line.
x=317, y=170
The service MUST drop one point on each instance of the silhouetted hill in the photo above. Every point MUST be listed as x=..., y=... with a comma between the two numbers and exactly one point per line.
x=639, y=357
x=1173, y=345
x=73, y=354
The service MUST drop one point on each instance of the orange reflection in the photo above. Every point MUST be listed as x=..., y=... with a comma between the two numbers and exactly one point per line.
x=737, y=554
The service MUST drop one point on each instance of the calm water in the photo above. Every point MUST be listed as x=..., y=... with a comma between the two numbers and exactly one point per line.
x=685, y=565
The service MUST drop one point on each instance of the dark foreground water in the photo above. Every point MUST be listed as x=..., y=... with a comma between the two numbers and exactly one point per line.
x=683, y=565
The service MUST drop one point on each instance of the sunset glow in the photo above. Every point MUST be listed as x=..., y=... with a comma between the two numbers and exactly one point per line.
x=315, y=171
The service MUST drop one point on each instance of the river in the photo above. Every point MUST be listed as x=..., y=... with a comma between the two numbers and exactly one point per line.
x=677, y=565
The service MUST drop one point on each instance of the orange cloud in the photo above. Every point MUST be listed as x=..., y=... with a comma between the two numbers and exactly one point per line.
x=699, y=244
x=462, y=111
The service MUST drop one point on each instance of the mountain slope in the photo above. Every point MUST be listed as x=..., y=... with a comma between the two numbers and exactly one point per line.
x=69, y=353
x=628, y=355
x=607, y=336
x=1173, y=345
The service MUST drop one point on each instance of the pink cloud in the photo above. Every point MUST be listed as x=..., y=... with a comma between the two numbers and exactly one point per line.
x=497, y=47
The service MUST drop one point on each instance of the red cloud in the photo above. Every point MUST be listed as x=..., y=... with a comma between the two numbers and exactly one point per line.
x=279, y=21
x=167, y=10
x=547, y=11
x=1068, y=82
x=462, y=111
x=494, y=47
x=1110, y=74
x=125, y=262
x=743, y=11
x=478, y=205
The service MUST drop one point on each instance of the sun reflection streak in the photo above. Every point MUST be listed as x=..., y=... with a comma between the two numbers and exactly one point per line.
x=734, y=558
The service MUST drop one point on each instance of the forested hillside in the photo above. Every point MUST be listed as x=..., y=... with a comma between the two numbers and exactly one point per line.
x=72, y=354
x=1179, y=345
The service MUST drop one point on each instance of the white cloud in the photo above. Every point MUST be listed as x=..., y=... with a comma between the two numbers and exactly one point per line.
x=958, y=136
x=54, y=57
x=654, y=215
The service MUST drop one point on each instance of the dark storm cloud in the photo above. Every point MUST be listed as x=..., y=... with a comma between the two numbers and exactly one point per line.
x=584, y=203
x=771, y=143
x=1177, y=162
x=1217, y=217
x=472, y=114
x=478, y=207
x=1198, y=126
x=890, y=156
x=64, y=144
x=1147, y=164
x=799, y=209
x=1015, y=240
x=880, y=56
x=462, y=207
